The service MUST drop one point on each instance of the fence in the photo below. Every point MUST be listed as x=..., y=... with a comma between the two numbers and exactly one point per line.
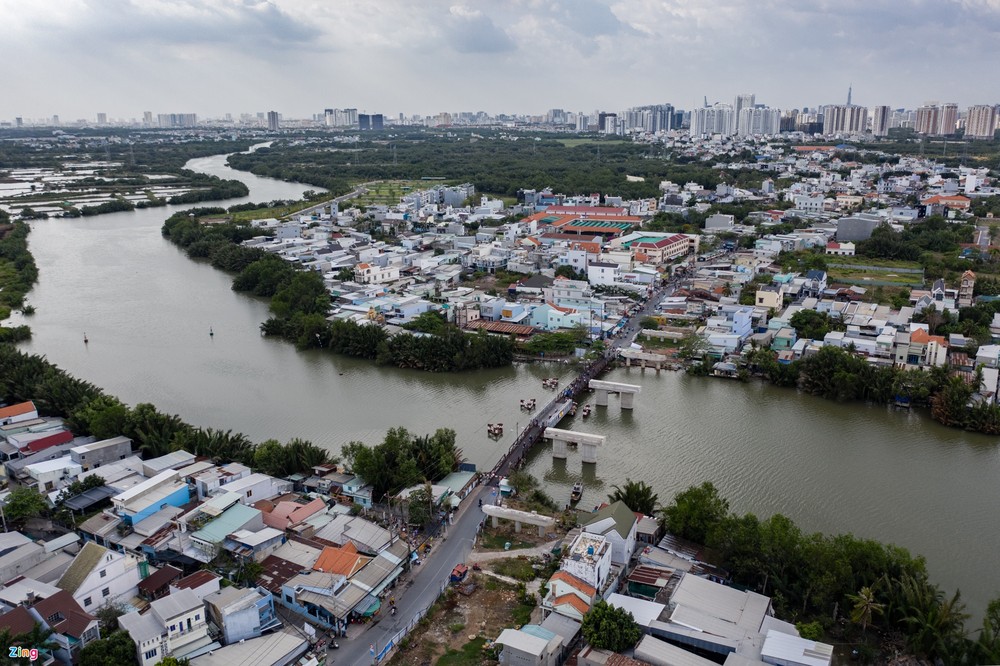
x=379, y=654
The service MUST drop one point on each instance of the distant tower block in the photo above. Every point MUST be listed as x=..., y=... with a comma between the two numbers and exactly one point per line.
x=627, y=392
x=587, y=442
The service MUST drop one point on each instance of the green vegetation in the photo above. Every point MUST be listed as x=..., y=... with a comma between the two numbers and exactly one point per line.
x=114, y=649
x=17, y=274
x=529, y=493
x=90, y=411
x=497, y=541
x=609, y=628
x=809, y=575
x=814, y=325
x=637, y=495
x=518, y=568
x=403, y=460
x=495, y=163
x=300, y=302
x=471, y=654
x=559, y=343
x=36, y=638
x=23, y=503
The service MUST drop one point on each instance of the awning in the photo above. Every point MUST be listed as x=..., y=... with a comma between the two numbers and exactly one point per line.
x=368, y=606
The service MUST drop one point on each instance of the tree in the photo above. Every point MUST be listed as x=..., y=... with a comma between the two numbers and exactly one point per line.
x=24, y=503
x=269, y=457
x=115, y=649
x=108, y=614
x=696, y=512
x=608, y=628
x=865, y=607
x=638, y=497
x=568, y=271
x=419, y=506
x=172, y=661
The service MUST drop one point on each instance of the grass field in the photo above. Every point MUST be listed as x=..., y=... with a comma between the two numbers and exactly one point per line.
x=866, y=261
x=573, y=143
x=861, y=277
x=389, y=191
x=262, y=213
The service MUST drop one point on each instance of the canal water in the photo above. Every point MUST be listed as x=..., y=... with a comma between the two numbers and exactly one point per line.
x=147, y=309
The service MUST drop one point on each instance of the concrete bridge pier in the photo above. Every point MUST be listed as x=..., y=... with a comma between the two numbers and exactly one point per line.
x=627, y=392
x=587, y=442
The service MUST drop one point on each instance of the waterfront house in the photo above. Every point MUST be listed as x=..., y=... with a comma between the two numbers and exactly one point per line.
x=172, y=461
x=22, y=411
x=616, y=523
x=784, y=339
x=288, y=511
x=359, y=492
x=242, y=613
x=92, y=456
x=99, y=576
x=210, y=480
x=258, y=486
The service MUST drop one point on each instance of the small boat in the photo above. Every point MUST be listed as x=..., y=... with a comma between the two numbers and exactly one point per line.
x=211, y=333
x=577, y=492
x=586, y=411
x=85, y=340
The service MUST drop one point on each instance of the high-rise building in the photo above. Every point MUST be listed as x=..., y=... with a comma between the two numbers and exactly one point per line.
x=948, y=119
x=177, y=119
x=102, y=119
x=606, y=122
x=717, y=119
x=373, y=121
x=981, y=122
x=845, y=119
x=758, y=121
x=880, y=120
x=19, y=122
x=744, y=101
x=273, y=121
x=928, y=119
x=147, y=118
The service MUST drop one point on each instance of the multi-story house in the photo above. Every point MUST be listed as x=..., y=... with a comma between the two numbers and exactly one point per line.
x=98, y=576
x=175, y=626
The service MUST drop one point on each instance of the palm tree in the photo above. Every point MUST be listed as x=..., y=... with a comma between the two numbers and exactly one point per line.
x=637, y=496
x=865, y=607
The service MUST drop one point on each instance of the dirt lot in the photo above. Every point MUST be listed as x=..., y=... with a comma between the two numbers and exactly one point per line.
x=460, y=625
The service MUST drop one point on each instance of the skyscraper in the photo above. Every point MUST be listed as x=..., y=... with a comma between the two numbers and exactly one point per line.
x=845, y=119
x=147, y=118
x=928, y=119
x=981, y=122
x=744, y=101
x=273, y=123
x=717, y=119
x=102, y=119
x=949, y=119
x=880, y=120
x=755, y=121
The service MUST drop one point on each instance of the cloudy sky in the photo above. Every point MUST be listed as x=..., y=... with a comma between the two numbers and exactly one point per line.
x=75, y=58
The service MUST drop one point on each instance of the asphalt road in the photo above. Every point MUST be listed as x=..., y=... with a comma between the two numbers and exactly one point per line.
x=427, y=579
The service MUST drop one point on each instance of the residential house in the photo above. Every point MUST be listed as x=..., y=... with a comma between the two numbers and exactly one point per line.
x=359, y=492
x=769, y=296
x=72, y=627
x=286, y=512
x=157, y=584
x=202, y=583
x=99, y=576
x=175, y=626
x=589, y=559
x=844, y=249
x=18, y=554
x=568, y=596
x=207, y=541
x=247, y=545
x=242, y=613
x=366, y=273
x=521, y=648
x=145, y=499
x=616, y=523
x=17, y=413
x=49, y=475
x=92, y=456
x=258, y=486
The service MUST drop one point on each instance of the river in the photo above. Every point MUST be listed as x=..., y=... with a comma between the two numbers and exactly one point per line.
x=147, y=309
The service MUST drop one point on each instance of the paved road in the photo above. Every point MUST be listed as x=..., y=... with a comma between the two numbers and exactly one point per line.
x=427, y=581
x=361, y=189
x=983, y=236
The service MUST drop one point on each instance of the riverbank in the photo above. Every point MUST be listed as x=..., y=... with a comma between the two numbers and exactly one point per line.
x=18, y=274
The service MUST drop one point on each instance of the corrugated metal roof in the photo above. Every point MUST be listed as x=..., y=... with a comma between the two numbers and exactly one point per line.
x=83, y=565
x=661, y=653
x=232, y=520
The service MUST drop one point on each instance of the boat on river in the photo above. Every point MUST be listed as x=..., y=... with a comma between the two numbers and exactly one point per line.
x=577, y=492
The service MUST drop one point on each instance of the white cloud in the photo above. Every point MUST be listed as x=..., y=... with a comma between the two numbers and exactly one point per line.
x=125, y=56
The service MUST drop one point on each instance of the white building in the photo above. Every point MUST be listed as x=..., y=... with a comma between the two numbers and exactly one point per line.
x=49, y=475
x=175, y=626
x=589, y=559
x=365, y=273
x=616, y=523
x=99, y=576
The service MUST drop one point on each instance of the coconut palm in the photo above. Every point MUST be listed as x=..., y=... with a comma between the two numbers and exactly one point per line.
x=637, y=496
x=865, y=607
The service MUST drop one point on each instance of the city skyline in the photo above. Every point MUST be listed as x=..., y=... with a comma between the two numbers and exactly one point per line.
x=123, y=57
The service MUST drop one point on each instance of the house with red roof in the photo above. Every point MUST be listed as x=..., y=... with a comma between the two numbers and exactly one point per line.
x=568, y=595
x=22, y=411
